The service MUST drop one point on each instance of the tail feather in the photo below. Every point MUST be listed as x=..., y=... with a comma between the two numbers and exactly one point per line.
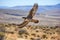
x=35, y=21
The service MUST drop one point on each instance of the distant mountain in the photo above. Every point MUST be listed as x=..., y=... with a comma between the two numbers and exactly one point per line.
x=27, y=8
x=58, y=5
x=51, y=7
x=12, y=12
x=53, y=12
x=3, y=7
x=40, y=9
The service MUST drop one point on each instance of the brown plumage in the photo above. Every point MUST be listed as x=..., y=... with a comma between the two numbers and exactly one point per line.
x=23, y=24
x=29, y=17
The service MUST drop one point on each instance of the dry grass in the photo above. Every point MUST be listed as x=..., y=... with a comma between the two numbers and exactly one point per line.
x=12, y=32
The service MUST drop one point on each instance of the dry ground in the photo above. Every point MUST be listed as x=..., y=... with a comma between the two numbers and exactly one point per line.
x=29, y=32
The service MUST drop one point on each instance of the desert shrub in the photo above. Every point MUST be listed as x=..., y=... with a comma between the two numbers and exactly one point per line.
x=11, y=32
x=58, y=38
x=1, y=35
x=37, y=30
x=6, y=25
x=50, y=33
x=44, y=36
x=51, y=28
x=52, y=37
x=38, y=36
x=33, y=34
x=45, y=32
x=26, y=36
x=13, y=24
x=56, y=27
x=47, y=26
x=37, y=39
x=53, y=32
x=43, y=29
x=22, y=31
x=58, y=31
x=32, y=38
x=2, y=29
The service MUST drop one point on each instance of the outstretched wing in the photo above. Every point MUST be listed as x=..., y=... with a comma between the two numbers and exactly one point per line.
x=30, y=16
x=33, y=11
x=23, y=24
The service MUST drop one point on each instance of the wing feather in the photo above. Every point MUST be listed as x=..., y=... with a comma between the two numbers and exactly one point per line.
x=23, y=24
x=30, y=16
x=33, y=11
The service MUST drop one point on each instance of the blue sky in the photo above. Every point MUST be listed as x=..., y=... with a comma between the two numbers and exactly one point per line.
x=11, y=3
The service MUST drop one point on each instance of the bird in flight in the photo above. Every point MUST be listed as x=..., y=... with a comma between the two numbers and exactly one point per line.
x=29, y=18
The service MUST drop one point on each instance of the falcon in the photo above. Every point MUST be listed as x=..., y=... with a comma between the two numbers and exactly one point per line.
x=29, y=18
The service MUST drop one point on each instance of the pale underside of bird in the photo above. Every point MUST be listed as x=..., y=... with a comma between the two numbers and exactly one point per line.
x=29, y=18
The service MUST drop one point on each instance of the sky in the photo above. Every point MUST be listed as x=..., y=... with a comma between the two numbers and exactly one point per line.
x=11, y=3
